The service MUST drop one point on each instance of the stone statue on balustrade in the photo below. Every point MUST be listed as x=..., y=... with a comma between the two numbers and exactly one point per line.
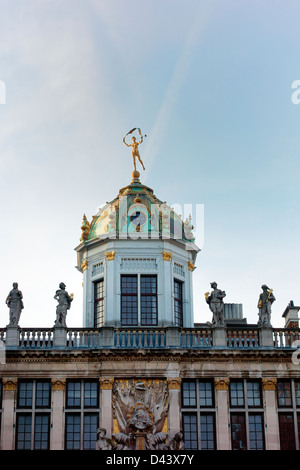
x=264, y=305
x=216, y=304
x=64, y=304
x=103, y=442
x=14, y=301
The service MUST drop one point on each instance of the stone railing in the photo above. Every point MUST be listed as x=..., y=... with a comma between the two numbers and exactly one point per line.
x=150, y=338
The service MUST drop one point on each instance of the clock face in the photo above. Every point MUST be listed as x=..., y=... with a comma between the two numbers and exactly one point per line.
x=138, y=218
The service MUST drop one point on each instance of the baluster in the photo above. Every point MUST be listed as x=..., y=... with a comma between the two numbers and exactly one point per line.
x=117, y=339
x=250, y=339
x=150, y=339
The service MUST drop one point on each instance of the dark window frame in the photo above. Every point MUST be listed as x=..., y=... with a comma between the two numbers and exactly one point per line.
x=178, y=302
x=98, y=303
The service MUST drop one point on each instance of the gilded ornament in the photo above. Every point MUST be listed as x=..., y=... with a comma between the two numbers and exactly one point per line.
x=174, y=383
x=58, y=384
x=167, y=256
x=9, y=384
x=221, y=383
x=110, y=255
x=84, y=265
x=106, y=383
x=85, y=228
x=191, y=266
x=269, y=383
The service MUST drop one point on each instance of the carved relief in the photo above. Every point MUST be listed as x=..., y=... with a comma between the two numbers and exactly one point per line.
x=167, y=256
x=110, y=255
x=58, y=384
x=221, y=383
x=269, y=383
x=9, y=384
x=174, y=383
x=106, y=383
x=140, y=414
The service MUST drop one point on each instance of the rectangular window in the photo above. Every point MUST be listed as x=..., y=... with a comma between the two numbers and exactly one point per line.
x=73, y=394
x=207, y=429
x=41, y=435
x=91, y=394
x=99, y=303
x=254, y=395
x=190, y=430
x=297, y=392
x=43, y=394
x=189, y=394
x=256, y=431
x=237, y=394
x=286, y=431
x=73, y=431
x=129, y=300
x=33, y=427
x=238, y=431
x=178, y=303
x=206, y=395
x=284, y=393
x=148, y=300
x=23, y=432
x=25, y=394
x=90, y=427
x=198, y=417
x=81, y=425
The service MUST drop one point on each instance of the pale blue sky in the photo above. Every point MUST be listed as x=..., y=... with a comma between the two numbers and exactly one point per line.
x=209, y=82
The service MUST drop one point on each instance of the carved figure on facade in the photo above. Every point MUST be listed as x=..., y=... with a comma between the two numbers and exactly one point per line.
x=216, y=304
x=14, y=301
x=264, y=305
x=64, y=304
x=103, y=442
x=140, y=412
x=135, y=147
x=176, y=443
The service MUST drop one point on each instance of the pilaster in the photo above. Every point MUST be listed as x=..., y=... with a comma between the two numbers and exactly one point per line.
x=106, y=417
x=222, y=416
x=58, y=399
x=174, y=385
x=271, y=416
x=8, y=414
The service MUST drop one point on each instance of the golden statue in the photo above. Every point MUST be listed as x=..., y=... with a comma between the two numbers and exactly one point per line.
x=135, y=147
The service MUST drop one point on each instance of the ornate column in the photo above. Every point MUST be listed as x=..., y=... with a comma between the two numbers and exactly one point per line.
x=174, y=414
x=106, y=417
x=271, y=417
x=222, y=417
x=8, y=418
x=58, y=397
x=166, y=270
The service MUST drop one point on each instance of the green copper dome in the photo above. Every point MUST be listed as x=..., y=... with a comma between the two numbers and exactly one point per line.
x=136, y=212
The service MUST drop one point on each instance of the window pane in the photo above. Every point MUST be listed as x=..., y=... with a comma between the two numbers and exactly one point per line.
x=72, y=432
x=129, y=301
x=284, y=395
x=286, y=431
x=99, y=303
x=91, y=394
x=74, y=394
x=178, y=303
x=25, y=392
x=236, y=394
x=23, y=435
x=189, y=394
x=148, y=300
x=207, y=426
x=43, y=394
x=90, y=427
x=206, y=398
x=238, y=432
x=254, y=394
x=41, y=432
x=190, y=430
x=256, y=431
x=297, y=392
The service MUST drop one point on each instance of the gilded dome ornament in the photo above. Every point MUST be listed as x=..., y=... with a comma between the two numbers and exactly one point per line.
x=135, y=147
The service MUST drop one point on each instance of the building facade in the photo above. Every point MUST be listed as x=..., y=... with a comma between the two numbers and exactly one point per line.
x=140, y=374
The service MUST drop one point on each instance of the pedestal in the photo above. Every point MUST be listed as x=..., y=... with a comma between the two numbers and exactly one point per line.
x=12, y=336
x=219, y=337
x=60, y=337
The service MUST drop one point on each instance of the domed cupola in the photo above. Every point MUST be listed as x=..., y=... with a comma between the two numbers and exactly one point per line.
x=137, y=257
